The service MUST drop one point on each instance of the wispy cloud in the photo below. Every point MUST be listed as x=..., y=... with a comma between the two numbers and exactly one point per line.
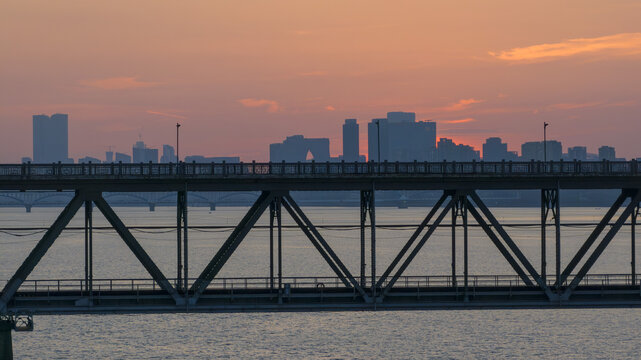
x=270, y=105
x=572, y=106
x=119, y=83
x=330, y=108
x=461, y=104
x=175, y=116
x=618, y=44
x=458, y=121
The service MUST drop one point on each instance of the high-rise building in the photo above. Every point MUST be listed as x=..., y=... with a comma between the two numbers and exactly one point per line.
x=88, y=159
x=607, y=153
x=578, y=153
x=109, y=156
x=141, y=153
x=297, y=148
x=533, y=150
x=401, y=138
x=51, y=138
x=350, y=140
x=447, y=150
x=123, y=158
x=495, y=150
x=168, y=154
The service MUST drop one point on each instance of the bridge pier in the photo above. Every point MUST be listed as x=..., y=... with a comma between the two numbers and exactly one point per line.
x=275, y=216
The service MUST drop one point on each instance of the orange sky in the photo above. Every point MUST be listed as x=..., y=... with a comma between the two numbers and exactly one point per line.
x=242, y=74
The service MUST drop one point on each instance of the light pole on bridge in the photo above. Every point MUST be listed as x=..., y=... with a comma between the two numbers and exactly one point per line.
x=545, y=142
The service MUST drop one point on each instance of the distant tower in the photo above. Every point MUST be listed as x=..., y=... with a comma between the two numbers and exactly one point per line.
x=350, y=140
x=50, y=138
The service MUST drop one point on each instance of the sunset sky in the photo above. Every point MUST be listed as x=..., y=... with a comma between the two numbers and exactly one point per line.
x=242, y=74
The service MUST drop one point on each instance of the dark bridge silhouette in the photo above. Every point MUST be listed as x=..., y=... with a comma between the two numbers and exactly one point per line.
x=529, y=285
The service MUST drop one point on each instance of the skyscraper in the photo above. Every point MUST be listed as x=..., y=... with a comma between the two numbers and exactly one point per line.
x=51, y=138
x=401, y=138
x=350, y=140
x=578, y=153
x=607, y=153
x=533, y=150
x=141, y=153
x=168, y=154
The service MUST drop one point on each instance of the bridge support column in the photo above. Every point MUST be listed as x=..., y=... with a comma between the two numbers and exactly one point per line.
x=368, y=209
x=89, y=249
x=182, y=256
x=633, y=240
x=550, y=202
x=465, y=255
x=455, y=211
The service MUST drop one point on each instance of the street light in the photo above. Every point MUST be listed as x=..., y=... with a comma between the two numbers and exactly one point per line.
x=378, y=144
x=177, y=143
x=545, y=142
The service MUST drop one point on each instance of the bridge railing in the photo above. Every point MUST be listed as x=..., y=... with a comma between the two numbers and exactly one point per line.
x=230, y=283
x=307, y=169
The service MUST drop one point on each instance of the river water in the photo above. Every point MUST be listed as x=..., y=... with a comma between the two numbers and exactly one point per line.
x=559, y=333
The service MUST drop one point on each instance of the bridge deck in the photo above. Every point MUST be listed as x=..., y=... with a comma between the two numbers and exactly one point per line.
x=316, y=293
x=321, y=176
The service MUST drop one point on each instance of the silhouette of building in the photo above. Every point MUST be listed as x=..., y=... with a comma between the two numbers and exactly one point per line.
x=350, y=141
x=109, y=156
x=401, y=138
x=578, y=153
x=533, y=150
x=168, y=154
x=297, y=148
x=88, y=159
x=447, y=150
x=123, y=158
x=212, y=159
x=51, y=138
x=25, y=159
x=607, y=153
x=495, y=150
x=141, y=153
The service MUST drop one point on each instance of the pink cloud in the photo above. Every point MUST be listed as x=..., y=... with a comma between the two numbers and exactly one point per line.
x=458, y=121
x=330, y=108
x=618, y=44
x=270, y=105
x=119, y=83
x=461, y=104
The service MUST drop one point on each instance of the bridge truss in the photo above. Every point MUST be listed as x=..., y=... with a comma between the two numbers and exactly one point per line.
x=571, y=284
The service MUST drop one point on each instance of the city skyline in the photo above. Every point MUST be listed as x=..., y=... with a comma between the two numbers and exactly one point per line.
x=242, y=76
x=398, y=137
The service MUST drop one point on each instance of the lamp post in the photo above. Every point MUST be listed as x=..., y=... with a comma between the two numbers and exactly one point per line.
x=545, y=142
x=177, y=143
x=378, y=143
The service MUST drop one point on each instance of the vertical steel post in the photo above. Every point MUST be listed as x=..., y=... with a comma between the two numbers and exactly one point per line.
x=557, y=225
x=364, y=207
x=88, y=246
x=633, y=249
x=453, y=263
x=372, y=221
x=272, y=215
x=465, y=256
x=185, y=244
x=179, y=214
x=6, y=347
x=280, y=244
x=544, y=220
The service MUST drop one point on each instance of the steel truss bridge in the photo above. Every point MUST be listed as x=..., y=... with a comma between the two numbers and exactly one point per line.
x=529, y=285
